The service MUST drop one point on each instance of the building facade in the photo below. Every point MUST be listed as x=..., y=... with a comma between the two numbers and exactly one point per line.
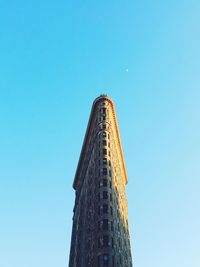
x=100, y=232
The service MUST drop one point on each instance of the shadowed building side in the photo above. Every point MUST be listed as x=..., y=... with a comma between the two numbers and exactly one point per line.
x=100, y=232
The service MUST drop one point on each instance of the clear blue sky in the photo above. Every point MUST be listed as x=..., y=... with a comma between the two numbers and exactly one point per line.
x=55, y=58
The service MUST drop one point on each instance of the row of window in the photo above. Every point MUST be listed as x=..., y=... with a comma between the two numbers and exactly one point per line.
x=105, y=225
x=103, y=110
x=105, y=162
x=105, y=259
x=102, y=118
x=104, y=152
x=104, y=183
x=104, y=135
x=104, y=209
x=104, y=143
x=105, y=171
x=104, y=195
x=105, y=241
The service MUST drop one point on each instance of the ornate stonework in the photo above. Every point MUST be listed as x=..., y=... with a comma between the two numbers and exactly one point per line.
x=100, y=234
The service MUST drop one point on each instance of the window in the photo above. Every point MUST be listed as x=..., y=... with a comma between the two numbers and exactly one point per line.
x=103, y=224
x=104, y=118
x=100, y=241
x=111, y=210
x=105, y=259
x=105, y=171
x=110, y=184
x=110, y=197
x=105, y=241
x=104, y=151
x=105, y=209
x=111, y=225
x=105, y=195
x=104, y=143
x=103, y=110
x=88, y=243
x=105, y=182
x=110, y=173
x=120, y=258
x=113, y=261
x=104, y=161
x=100, y=223
x=104, y=134
x=104, y=126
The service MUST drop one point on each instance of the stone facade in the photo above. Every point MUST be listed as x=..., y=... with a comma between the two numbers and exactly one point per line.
x=100, y=233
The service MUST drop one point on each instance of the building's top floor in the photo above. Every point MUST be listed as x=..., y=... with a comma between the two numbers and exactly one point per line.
x=98, y=102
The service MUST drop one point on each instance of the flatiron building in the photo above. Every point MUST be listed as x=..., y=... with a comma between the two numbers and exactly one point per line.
x=100, y=232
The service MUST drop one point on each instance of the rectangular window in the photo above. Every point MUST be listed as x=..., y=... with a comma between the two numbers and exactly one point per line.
x=113, y=261
x=104, y=161
x=104, y=143
x=100, y=242
x=105, y=241
x=105, y=171
x=103, y=110
x=105, y=259
x=105, y=208
x=105, y=224
x=105, y=195
x=110, y=173
x=104, y=151
x=99, y=210
x=105, y=182
x=100, y=225
x=111, y=225
x=111, y=210
x=104, y=134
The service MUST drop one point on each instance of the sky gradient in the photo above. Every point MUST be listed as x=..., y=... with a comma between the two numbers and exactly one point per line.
x=56, y=57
